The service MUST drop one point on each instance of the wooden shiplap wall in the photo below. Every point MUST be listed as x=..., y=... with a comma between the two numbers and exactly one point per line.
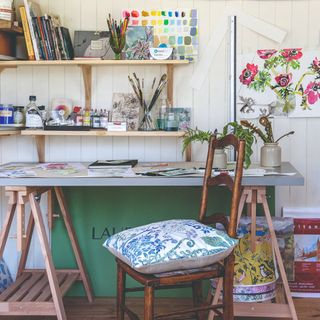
x=209, y=104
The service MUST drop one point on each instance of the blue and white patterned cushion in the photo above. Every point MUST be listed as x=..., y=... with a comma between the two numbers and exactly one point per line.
x=170, y=245
x=5, y=276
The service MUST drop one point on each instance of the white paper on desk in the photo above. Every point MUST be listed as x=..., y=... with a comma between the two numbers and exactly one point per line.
x=274, y=173
x=17, y=173
x=112, y=172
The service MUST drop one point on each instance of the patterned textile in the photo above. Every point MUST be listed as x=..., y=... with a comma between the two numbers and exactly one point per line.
x=170, y=245
x=5, y=276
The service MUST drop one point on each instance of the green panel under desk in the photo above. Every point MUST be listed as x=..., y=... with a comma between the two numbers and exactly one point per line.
x=98, y=212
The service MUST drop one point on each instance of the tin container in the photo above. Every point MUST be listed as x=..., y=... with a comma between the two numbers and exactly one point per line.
x=6, y=114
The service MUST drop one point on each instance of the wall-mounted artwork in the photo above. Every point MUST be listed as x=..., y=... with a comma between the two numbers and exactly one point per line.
x=172, y=28
x=139, y=40
x=283, y=82
x=92, y=44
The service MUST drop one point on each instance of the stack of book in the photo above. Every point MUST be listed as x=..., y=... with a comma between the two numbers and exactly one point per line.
x=45, y=38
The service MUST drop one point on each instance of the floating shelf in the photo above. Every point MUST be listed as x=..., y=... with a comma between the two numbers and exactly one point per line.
x=9, y=132
x=88, y=62
x=103, y=133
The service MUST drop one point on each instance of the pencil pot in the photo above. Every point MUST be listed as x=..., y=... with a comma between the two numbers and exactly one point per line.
x=117, y=45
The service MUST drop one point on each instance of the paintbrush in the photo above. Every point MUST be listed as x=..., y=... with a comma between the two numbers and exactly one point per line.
x=134, y=88
x=156, y=94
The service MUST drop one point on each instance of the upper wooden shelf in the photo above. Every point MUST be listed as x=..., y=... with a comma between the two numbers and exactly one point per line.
x=83, y=62
x=103, y=133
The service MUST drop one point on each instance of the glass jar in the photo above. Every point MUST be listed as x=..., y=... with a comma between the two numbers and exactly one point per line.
x=18, y=116
x=270, y=155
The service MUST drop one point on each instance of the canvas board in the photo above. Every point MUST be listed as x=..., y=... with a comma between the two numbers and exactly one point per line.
x=176, y=28
x=126, y=106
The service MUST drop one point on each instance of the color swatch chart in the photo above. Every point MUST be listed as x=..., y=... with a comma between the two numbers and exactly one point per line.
x=172, y=28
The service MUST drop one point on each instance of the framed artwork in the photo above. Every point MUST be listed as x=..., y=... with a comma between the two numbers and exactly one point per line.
x=92, y=44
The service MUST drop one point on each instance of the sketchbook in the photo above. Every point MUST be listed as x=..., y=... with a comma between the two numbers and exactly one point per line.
x=104, y=164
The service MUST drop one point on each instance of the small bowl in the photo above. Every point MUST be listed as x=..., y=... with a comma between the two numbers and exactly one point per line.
x=160, y=53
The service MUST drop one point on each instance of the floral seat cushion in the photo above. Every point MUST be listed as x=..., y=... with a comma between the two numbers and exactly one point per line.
x=170, y=245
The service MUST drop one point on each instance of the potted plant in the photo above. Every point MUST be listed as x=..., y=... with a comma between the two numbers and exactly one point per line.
x=270, y=155
x=204, y=136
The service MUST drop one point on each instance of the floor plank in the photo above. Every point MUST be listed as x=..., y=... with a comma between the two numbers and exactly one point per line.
x=104, y=308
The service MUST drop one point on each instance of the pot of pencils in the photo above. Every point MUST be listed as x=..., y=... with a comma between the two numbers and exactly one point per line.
x=117, y=35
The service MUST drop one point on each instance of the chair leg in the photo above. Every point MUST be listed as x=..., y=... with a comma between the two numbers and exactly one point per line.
x=148, y=303
x=121, y=285
x=228, y=288
x=198, y=298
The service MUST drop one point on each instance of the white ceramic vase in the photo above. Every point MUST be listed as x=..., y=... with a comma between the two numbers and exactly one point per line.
x=270, y=155
x=220, y=159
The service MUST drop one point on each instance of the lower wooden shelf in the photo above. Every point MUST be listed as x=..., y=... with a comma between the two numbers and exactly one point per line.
x=30, y=294
x=4, y=133
x=103, y=133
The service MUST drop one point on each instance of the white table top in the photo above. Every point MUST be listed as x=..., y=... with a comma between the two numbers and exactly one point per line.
x=47, y=178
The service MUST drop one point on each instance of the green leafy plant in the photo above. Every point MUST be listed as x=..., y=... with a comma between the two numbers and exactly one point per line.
x=231, y=127
x=267, y=136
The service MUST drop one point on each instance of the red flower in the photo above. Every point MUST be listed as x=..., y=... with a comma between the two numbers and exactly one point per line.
x=266, y=54
x=313, y=92
x=248, y=74
x=315, y=64
x=283, y=79
x=292, y=54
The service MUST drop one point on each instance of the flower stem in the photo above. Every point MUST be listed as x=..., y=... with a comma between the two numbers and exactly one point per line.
x=301, y=79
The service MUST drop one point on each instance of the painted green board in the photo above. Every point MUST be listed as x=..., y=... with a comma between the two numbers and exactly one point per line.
x=98, y=212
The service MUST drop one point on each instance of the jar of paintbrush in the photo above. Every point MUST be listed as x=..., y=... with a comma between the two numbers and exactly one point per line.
x=148, y=97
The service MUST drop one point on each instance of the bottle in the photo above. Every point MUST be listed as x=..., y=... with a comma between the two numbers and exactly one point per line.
x=79, y=118
x=86, y=118
x=104, y=119
x=96, y=119
x=33, y=115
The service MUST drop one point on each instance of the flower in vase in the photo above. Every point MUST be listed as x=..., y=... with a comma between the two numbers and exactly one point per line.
x=266, y=54
x=283, y=79
x=248, y=74
x=277, y=75
x=291, y=54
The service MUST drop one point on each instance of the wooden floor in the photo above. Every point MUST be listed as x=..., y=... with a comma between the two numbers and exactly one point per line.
x=104, y=308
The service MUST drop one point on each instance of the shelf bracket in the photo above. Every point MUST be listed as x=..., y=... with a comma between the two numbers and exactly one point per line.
x=41, y=148
x=170, y=84
x=87, y=80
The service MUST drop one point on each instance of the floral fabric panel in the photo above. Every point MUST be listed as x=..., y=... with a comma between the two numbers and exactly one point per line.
x=5, y=276
x=170, y=245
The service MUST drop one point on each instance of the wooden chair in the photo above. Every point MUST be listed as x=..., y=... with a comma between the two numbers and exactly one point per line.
x=223, y=269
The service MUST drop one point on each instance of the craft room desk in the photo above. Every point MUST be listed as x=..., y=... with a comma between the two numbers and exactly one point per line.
x=40, y=292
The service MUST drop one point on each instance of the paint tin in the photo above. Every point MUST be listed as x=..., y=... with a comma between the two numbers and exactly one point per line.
x=6, y=114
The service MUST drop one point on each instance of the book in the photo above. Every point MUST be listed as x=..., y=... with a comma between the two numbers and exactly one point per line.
x=43, y=39
x=54, y=38
x=67, y=42
x=37, y=32
x=103, y=164
x=26, y=31
x=32, y=10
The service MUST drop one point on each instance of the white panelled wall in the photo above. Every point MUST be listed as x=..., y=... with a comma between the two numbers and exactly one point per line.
x=209, y=104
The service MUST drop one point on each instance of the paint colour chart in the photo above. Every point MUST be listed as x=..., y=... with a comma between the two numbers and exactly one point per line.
x=172, y=28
